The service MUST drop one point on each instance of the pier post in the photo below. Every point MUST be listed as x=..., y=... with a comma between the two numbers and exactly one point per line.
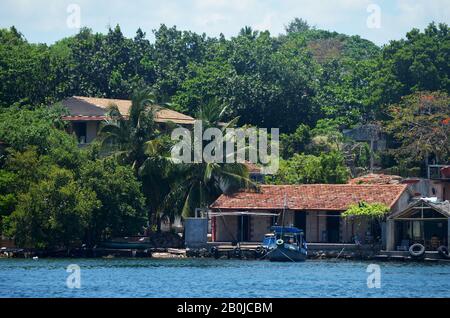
x=448, y=234
x=390, y=235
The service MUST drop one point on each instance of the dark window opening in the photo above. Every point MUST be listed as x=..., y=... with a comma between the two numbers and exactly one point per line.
x=80, y=130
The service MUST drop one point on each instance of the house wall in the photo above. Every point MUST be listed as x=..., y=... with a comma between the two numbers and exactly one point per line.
x=226, y=228
x=440, y=189
x=259, y=226
x=346, y=230
x=316, y=224
x=91, y=131
x=402, y=203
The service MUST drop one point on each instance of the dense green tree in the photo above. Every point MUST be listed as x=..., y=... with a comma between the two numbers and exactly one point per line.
x=173, y=50
x=420, y=125
x=53, y=213
x=297, y=26
x=121, y=211
x=310, y=169
x=21, y=128
x=296, y=142
x=24, y=75
x=418, y=63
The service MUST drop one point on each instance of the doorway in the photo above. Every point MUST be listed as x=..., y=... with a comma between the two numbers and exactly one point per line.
x=244, y=228
x=300, y=221
x=80, y=130
x=333, y=226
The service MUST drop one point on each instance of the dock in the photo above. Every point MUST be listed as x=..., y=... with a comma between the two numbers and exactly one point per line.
x=402, y=256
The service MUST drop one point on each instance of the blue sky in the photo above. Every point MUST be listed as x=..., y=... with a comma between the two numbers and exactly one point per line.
x=45, y=20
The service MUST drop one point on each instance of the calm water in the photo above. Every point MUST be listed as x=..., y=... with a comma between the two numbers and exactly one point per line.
x=219, y=278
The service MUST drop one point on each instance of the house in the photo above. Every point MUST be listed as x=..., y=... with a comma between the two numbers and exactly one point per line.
x=246, y=216
x=439, y=176
x=87, y=113
x=369, y=133
x=424, y=221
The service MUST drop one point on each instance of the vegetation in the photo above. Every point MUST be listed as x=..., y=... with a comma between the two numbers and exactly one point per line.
x=420, y=124
x=310, y=169
x=310, y=83
x=364, y=209
x=201, y=183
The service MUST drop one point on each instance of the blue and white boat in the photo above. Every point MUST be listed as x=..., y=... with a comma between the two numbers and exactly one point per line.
x=285, y=244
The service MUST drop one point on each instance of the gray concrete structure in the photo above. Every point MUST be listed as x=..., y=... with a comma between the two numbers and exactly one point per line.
x=196, y=232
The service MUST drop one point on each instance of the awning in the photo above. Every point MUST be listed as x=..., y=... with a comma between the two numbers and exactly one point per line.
x=239, y=213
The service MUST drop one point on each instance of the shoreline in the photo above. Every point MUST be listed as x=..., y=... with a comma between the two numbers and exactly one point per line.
x=169, y=253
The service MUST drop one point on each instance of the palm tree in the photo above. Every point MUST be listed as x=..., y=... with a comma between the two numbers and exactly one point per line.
x=199, y=184
x=135, y=140
x=127, y=136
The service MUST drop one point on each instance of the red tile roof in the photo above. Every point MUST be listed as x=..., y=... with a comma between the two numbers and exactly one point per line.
x=330, y=197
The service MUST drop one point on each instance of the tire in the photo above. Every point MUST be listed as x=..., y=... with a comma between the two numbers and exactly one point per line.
x=237, y=252
x=417, y=251
x=443, y=252
x=215, y=252
x=280, y=242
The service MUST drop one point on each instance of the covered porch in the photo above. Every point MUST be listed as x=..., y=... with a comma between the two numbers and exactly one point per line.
x=423, y=222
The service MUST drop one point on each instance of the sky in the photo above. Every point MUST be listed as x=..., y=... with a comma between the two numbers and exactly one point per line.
x=377, y=20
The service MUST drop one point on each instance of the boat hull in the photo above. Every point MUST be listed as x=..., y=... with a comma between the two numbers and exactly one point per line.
x=282, y=254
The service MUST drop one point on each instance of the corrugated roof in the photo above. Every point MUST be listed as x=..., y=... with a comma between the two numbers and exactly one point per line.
x=322, y=197
x=92, y=108
x=441, y=207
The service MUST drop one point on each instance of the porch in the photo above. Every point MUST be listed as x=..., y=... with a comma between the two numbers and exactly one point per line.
x=423, y=222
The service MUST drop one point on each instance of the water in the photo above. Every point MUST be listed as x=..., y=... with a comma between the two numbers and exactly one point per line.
x=219, y=278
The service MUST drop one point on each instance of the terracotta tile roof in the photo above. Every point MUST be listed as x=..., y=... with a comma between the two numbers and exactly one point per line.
x=332, y=197
x=374, y=178
x=91, y=108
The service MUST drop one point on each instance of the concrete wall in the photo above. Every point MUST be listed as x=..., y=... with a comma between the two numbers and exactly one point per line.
x=316, y=224
x=403, y=202
x=196, y=232
x=259, y=226
x=346, y=230
x=441, y=190
x=226, y=228
x=91, y=131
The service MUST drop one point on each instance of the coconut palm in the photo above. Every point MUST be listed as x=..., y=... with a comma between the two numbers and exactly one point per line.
x=127, y=136
x=134, y=139
x=199, y=184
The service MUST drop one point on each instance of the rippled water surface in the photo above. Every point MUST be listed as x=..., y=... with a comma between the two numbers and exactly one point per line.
x=219, y=278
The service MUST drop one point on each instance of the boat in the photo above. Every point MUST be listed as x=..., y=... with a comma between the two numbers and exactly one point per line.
x=285, y=244
x=126, y=244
